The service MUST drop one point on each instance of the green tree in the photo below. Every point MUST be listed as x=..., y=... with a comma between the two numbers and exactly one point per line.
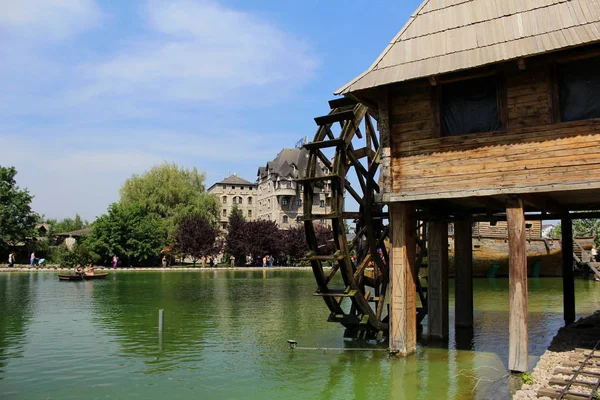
x=65, y=224
x=129, y=231
x=16, y=218
x=172, y=193
x=581, y=228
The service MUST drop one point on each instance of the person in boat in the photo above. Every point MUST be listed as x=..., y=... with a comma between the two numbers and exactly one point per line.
x=90, y=271
x=78, y=270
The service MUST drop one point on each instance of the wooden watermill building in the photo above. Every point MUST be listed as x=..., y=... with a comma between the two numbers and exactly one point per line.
x=487, y=110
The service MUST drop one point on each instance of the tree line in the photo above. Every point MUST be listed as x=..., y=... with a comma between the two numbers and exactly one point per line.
x=164, y=212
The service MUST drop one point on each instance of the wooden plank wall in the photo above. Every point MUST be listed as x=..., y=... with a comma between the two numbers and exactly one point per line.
x=501, y=229
x=531, y=155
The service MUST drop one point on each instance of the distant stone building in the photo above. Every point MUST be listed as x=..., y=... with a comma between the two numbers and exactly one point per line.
x=280, y=196
x=238, y=191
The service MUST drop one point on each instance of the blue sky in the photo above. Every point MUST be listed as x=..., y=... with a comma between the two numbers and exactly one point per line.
x=94, y=91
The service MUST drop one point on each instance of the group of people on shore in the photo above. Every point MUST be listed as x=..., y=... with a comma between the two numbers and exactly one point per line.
x=267, y=260
x=33, y=260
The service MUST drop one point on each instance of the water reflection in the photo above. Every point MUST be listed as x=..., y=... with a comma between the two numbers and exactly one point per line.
x=225, y=337
x=17, y=303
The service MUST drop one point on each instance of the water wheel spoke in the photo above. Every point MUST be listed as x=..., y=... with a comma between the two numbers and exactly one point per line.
x=332, y=272
x=362, y=266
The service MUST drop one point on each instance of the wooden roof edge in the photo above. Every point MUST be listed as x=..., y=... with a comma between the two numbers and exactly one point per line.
x=345, y=89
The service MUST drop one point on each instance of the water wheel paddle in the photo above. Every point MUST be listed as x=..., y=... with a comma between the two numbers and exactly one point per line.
x=348, y=163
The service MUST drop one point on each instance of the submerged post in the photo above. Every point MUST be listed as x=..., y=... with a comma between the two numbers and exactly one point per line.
x=567, y=270
x=161, y=319
x=518, y=341
x=403, y=302
x=463, y=262
x=437, y=263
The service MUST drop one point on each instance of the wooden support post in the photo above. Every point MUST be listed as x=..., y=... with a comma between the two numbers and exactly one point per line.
x=437, y=263
x=568, y=281
x=403, y=302
x=463, y=261
x=518, y=342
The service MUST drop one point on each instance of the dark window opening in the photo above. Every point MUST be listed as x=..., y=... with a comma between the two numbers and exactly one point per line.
x=579, y=90
x=470, y=106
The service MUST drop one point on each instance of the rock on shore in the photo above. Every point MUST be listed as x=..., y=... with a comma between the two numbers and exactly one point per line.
x=583, y=334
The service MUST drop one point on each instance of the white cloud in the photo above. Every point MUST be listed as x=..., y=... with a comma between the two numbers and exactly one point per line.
x=202, y=51
x=83, y=169
x=47, y=19
x=155, y=92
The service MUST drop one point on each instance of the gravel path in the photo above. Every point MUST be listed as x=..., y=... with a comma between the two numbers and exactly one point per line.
x=584, y=333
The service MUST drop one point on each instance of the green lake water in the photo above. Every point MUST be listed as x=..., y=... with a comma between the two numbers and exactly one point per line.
x=225, y=337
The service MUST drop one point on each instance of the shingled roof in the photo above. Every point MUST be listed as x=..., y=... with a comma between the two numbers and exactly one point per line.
x=235, y=180
x=451, y=35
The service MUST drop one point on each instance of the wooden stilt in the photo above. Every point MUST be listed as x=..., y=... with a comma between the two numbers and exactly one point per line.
x=463, y=260
x=568, y=281
x=518, y=356
x=437, y=262
x=403, y=302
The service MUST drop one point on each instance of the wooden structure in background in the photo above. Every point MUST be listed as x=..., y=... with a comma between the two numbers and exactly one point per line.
x=485, y=113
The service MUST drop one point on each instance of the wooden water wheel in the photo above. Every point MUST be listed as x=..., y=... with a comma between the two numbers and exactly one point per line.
x=346, y=166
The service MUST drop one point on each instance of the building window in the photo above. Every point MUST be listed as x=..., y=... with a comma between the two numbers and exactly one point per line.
x=284, y=202
x=242, y=188
x=470, y=106
x=233, y=187
x=224, y=198
x=224, y=212
x=249, y=200
x=322, y=203
x=224, y=187
x=299, y=203
x=285, y=219
x=224, y=225
x=579, y=90
x=250, y=213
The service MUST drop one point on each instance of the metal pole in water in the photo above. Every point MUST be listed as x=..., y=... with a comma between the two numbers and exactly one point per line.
x=161, y=319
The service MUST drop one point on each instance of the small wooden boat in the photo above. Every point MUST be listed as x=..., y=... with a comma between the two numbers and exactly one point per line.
x=78, y=277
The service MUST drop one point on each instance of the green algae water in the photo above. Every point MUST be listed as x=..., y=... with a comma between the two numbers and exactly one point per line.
x=225, y=337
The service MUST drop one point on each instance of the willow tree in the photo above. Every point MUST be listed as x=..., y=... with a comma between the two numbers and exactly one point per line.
x=171, y=193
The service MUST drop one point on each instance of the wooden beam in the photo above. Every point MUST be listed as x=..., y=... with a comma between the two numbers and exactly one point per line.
x=342, y=102
x=518, y=342
x=403, y=301
x=463, y=260
x=341, y=116
x=384, y=127
x=542, y=202
x=568, y=281
x=437, y=291
x=422, y=216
